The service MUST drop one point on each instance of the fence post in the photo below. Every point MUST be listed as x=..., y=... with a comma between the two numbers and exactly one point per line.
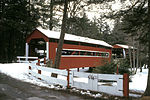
x=29, y=69
x=125, y=85
x=39, y=72
x=68, y=78
x=78, y=69
x=44, y=60
x=19, y=60
x=38, y=63
x=117, y=70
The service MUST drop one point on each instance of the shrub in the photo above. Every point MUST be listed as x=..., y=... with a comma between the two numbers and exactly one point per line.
x=123, y=70
x=124, y=66
x=108, y=68
x=111, y=68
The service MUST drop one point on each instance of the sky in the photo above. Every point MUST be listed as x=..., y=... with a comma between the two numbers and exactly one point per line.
x=97, y=10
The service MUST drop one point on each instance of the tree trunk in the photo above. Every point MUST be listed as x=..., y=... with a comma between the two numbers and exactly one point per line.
x=51, y=15
x=140, y=65
x=140, y=62
x=147, y=91
x=61, y=40
x=133, y=55
x=137, y=58
x=130, y=57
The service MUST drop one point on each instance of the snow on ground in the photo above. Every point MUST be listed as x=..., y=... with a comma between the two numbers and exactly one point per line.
x=139, y=81
x=20, y=71
x=15, y=70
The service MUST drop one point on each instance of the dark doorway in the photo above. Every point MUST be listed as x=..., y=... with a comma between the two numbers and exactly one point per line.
x=37, y=48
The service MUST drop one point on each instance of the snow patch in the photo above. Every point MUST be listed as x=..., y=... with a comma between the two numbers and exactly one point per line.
x=139, y=81
x=56, y=35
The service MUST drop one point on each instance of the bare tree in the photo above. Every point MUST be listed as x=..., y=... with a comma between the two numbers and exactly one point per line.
x=51, y=15
x=137, y=57
x=130, y=57
x=62, y=35
x=133, y=54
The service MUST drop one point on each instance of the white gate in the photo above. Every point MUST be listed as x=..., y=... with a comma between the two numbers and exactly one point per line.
x=108, y=83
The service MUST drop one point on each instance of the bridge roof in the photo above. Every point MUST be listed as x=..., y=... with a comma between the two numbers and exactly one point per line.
x=70, y=37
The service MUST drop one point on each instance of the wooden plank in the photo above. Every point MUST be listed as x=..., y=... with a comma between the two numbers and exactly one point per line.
x=23, y=57
x=49, y=79
x=80, y=85
x=109, y=77
x=90, y=84
x=95, y=84
x=71, y=78
x=120, y=84
x=110, y=89
x=52, y=70
x=81, y=74
x=52, y=80
x=22, y=61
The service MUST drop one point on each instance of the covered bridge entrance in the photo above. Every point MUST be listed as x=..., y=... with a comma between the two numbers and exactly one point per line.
x=37, y=45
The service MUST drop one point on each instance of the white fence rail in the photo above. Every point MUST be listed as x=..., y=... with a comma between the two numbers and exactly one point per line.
x=115, y=88
x=107, y=83
x=23, y=59
x=45, y=74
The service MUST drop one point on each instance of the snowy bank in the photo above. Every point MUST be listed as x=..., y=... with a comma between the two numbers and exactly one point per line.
x=15, y=70
x=20, y=71
x=139, y=81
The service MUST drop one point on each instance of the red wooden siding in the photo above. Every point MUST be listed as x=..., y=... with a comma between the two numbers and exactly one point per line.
x=76, y=62
x=116, y=46
x=36, y=35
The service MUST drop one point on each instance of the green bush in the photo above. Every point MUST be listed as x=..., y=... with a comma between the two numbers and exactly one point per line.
x=124, y=63
x=124, y=66
x=108, y=68
x=111, y=68
x=123, y=70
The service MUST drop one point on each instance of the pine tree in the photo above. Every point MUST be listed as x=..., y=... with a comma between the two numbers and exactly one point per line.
x=18, y=18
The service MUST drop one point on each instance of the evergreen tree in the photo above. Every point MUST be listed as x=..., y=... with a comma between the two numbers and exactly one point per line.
x=47, y=13
x=84, y=27
x=118, y=36
x=17, y=19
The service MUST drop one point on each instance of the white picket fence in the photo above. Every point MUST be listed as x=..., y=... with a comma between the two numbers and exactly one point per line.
x=107, y=83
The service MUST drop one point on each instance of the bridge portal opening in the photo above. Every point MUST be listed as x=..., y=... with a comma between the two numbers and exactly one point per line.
x=37, y=48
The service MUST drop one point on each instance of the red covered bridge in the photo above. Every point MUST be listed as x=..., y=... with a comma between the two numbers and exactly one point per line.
x=77, y=51
x=121, y=51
